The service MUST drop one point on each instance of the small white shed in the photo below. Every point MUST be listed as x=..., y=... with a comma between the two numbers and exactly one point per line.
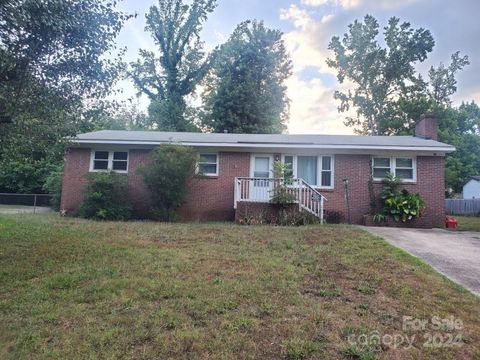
x=471, y=189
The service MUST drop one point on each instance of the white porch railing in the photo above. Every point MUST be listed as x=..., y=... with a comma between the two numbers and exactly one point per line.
x=262, y=190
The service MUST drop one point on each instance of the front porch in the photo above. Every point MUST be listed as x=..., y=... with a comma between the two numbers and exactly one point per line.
x=262, y=190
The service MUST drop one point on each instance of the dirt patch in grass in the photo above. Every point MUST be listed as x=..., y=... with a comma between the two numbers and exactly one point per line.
x=79, y=289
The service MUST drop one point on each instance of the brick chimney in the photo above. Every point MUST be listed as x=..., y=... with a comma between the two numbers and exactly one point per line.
x=427, y=127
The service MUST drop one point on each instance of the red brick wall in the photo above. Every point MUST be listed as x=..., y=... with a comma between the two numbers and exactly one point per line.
x=431, y=186
x=256, y=213
x=77, y=165
x=356, y=168
x=427, y=127
x=212, y=198
x=137, y=193
x=209, y=198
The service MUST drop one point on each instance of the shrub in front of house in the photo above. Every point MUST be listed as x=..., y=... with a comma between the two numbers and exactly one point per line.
x=166, y=177
x=334, y=217
x=105, y=198
x=399, y=204
x=281, y=194
x=269, y=214
x=53, y=185
x=404, y=206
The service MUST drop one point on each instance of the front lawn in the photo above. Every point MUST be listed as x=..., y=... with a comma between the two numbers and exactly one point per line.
x=468, y=223
x=73, y=288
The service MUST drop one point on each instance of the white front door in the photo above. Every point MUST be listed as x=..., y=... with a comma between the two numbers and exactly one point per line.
x=262, y=166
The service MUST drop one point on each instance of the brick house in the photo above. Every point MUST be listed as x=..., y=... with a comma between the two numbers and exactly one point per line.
x=237, y=169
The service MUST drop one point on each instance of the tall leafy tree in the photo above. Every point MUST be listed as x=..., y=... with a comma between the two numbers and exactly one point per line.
x=379, y=75
x=390, y=96
x=434, y=97
x=127, y=116
x=245, y=91
x=170, y=75
x=460, y=126
x=442, y=80
x=53, y=67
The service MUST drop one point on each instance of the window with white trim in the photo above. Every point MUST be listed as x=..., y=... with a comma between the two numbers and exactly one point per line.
x=120, y=161
x=208, y=164
x=402, y=167
x=307, y=168
x=326, y=172
x=103, y=160
x=315, y=170
x=381, y=167
x=288, y=161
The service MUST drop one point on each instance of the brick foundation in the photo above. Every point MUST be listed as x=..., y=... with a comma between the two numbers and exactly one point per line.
x=414, y=223
x=261, y=213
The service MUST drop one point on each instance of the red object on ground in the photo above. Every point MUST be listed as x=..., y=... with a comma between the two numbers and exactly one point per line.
x=451, y=223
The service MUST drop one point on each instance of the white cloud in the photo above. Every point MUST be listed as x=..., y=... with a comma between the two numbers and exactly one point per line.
x=346, y=4
x=312, y=107
x=314, y=2
x=367, y=4
x=220, y=36
x=388, y=5
x=301, y=19
x=308, y=42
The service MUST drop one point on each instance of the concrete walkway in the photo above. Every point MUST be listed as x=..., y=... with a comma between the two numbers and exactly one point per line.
x=454, y=254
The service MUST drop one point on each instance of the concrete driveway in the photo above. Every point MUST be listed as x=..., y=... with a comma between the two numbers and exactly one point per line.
x=454, y=254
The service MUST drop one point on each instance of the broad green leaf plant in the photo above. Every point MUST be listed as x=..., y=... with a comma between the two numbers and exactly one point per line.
x=399, y=204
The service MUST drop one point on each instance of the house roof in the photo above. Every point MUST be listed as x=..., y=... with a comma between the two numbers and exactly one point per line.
x=119, y=137
x=475, y=178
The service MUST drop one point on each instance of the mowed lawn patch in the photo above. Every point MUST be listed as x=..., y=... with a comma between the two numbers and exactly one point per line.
x=73, y=288
x=468, y=223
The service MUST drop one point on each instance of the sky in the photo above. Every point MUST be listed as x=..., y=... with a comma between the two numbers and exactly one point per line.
x=308, y=26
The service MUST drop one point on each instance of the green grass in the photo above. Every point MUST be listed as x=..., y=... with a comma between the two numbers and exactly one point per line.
x=77, y=289
x=468, y=223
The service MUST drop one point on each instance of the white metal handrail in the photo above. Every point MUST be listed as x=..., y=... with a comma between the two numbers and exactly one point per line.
x=260, y=189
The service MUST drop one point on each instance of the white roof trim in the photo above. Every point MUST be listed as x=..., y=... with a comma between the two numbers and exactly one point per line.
x=439, y=149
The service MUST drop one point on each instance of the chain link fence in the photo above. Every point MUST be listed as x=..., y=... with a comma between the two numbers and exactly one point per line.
x=25, y=201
